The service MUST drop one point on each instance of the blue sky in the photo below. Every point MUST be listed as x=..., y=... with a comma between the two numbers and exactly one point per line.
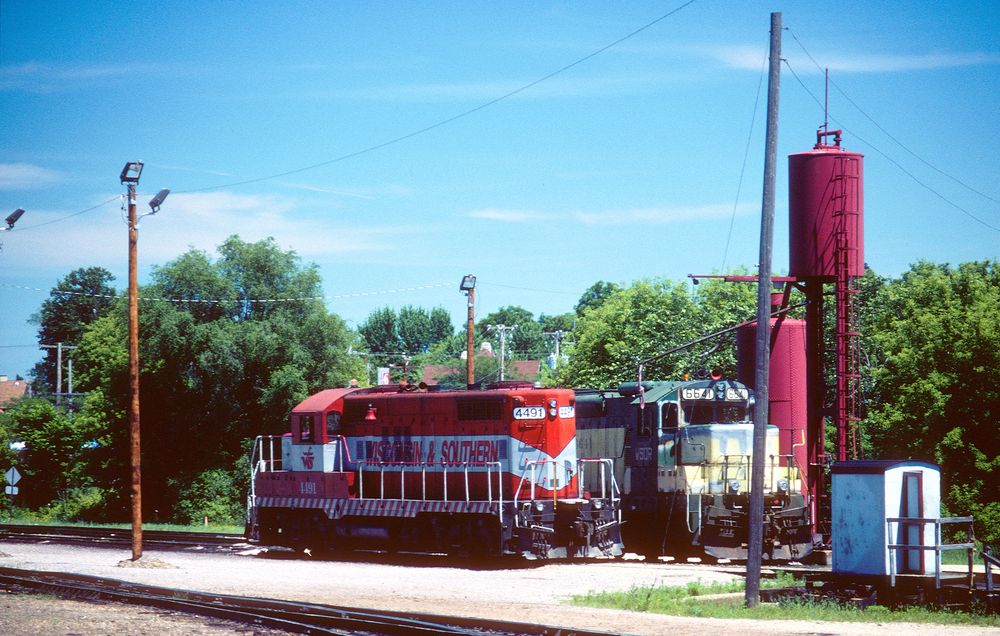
x=623, y=166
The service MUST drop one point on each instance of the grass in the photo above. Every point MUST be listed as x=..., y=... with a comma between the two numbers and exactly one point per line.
x=707, y=600
x=168, y=527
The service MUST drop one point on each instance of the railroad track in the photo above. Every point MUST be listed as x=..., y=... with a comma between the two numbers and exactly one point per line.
x=305, y=618
x=231, y=543
x=84, y=535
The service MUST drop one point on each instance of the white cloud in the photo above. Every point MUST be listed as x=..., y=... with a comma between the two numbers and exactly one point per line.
x=751, y=58
x=47, y=78
x=25, y=176
x=199, y=220
x=323, y=190
x=204, y=220
x=509, y=216
x=661, y=215
x=876, y=63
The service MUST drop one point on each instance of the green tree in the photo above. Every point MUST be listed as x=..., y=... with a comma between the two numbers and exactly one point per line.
x=632, y=324
x=525, y=342
x=380, y=331
x=719, y=305
x=595, y=296
x=212, y=379
x=559, y=322
x=53, y=461
x=441, y=327
x=414, y=326
x=933, y=345
x=83, y=296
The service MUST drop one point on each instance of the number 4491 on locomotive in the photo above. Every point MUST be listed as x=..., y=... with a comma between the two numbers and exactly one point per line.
x=484, y=472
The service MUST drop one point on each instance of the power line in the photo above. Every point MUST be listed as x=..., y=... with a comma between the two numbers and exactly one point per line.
x=893, y=161
x=532, y=289
x=69, y=216
x=453, y=118
x=887, y=133
x=223, y=301
x=746, y=155
x=410, y=135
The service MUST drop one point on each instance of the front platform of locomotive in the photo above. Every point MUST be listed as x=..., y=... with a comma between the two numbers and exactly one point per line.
x=565, y=505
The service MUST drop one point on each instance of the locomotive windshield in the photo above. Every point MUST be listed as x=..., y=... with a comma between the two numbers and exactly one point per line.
x=713, y=412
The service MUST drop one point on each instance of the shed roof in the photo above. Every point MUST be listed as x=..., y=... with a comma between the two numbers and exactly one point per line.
x=877, y=466
x=11, y=390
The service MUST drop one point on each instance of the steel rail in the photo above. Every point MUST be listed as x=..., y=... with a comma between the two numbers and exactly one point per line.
x=287, y=615
x=90, y=534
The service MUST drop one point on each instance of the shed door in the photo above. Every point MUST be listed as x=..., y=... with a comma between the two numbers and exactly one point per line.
x=912, y=506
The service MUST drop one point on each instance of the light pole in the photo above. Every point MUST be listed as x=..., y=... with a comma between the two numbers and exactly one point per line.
x=468, y=285
x=130, y=179
x=11, y=220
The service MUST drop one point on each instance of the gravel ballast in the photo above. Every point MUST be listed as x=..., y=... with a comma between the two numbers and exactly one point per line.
x=526, y=594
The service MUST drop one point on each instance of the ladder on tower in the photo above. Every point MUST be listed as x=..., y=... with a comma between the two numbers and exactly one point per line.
x=846, y=197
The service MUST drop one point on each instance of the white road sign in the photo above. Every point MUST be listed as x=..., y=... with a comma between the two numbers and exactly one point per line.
x=11, y=490
x=12, y=477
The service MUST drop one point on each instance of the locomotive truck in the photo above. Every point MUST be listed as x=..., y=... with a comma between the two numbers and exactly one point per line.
x=481, y=472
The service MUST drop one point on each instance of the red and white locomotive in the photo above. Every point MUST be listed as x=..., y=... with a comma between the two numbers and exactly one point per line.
x=485, y=472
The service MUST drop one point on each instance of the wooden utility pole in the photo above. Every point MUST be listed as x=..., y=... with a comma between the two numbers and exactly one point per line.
x=133, y=372
x=755, y=516
x=503, y=330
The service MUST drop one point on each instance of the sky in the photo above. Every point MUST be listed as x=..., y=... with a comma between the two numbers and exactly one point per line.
x=542, y=146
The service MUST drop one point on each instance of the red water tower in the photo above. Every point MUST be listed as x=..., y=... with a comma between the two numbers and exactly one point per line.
x=826, y=212
x=826, y=245
x=787, y=385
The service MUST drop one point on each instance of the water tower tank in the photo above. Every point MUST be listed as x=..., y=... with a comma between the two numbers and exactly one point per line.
x=825, y=205
x=787, y=397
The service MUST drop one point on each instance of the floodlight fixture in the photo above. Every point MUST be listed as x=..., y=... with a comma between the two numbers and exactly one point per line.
x=131, y=172
x=468, y=283
x=157, y=201
x=13, y=217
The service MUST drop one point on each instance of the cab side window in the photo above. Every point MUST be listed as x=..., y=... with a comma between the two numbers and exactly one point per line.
x=306, y=423
x=332, y=424
x=646, y=421
x=669, y=417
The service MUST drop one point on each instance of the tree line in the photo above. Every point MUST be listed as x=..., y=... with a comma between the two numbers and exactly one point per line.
x=219, y=366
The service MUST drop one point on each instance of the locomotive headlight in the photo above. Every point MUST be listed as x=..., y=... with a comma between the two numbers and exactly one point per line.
x=539, y=506
x=783, y=485
x=734, y=486
x=596, y=503
x=552, y=404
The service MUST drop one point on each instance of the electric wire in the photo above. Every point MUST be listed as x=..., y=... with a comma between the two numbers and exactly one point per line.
x=410, y=135
x=887, y=133
x=531, y=289
x=890, y=159
x=223, y=301
x=68, y=216
x=453, y=118
x=746, y=155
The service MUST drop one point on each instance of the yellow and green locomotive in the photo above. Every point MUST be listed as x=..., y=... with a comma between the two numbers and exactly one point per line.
x=682, y=454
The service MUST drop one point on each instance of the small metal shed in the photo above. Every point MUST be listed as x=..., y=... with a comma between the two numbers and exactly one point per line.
x=870, y=499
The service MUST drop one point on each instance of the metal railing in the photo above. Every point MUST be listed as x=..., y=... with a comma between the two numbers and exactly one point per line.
x=401, y=469
x=743, y=466
x=899, y=523
x=609, y=485
x=990, y=561
x=266, y=457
